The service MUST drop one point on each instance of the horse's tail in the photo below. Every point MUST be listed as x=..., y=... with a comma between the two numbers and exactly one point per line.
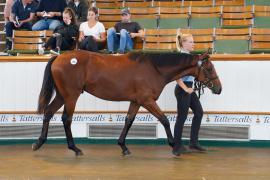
x=48, y=87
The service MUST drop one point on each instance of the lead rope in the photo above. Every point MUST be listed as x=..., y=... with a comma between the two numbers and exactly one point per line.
x=199, y=87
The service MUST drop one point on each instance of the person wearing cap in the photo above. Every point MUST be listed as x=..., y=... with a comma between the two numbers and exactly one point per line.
x=120, y=37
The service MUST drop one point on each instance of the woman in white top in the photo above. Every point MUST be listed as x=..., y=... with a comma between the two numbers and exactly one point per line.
x=92, y=32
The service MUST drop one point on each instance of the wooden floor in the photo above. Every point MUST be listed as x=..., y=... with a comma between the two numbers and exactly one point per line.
x=102, y=162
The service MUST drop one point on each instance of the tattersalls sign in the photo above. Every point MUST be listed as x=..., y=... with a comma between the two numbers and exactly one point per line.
x=239, y=119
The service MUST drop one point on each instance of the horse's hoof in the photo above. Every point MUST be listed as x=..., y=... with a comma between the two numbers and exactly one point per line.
x=79, y=153
x=126, y=152
x=35, y=147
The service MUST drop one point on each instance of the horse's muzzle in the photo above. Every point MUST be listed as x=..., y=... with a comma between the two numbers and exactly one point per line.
x=217, y=90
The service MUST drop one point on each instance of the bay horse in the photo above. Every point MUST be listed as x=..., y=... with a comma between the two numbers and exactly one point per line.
x=138, y=77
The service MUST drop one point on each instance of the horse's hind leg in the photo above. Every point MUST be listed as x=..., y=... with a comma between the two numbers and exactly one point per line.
x=153, y=108
x=56, y=104
x=67, y=120
x=132, y=111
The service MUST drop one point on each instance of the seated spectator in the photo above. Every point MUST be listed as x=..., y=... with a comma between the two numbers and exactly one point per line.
x=92, y=33
x=22, y=13
x=7, y=11
x=80, y=7
x=49, y=14
x=120, y=37
x=63, y=36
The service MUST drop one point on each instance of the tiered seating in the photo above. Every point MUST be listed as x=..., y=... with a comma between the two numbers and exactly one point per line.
x=205, y=17
x=260, y=40
x=198, y=17
x=188, y=3
x=107, y=3
x=174, y=4
x=160, y=39
x=138, y=3
x=262, y=16
x=172, y=18
x=109, y=16
x=232, y=41
x=237, y=16
x=229, y=2
x=203, y=39
x=146, y=17
x=258, y=2
x=27, y=42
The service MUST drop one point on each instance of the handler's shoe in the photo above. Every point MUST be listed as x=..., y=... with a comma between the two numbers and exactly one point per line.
x=181, y=150
x=197, y=148
x=55, y=51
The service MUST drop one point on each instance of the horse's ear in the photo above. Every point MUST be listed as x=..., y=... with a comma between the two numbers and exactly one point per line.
x=209, y=50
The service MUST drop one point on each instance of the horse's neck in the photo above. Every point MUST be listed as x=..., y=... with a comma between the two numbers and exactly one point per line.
x=179, y=71
x=187, y=72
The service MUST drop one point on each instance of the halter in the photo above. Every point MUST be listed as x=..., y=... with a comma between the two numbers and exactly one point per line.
x=199, y=86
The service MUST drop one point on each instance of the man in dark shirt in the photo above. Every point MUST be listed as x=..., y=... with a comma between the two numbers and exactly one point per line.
x=22, y=13
x=80, y=7
x=120, y=37
x=50, y=14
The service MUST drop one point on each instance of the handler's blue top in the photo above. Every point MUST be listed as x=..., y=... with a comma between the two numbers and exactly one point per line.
x=187, y=78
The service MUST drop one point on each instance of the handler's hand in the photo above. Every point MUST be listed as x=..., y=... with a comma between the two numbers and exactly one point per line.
x=189, y=90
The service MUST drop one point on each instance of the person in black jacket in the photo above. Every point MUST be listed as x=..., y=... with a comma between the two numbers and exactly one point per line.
x=80, y=7
x=63, y=36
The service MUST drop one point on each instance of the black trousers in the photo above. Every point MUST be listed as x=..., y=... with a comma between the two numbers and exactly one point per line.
x=90, y=44
x=57, y=40
x=184, y=102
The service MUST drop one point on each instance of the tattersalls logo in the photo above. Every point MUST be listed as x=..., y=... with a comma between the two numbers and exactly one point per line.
x=266, y=119
x=258, y=120
x=207, y=118
x=3, y=118
x=138, y=118
x=240, y=119
x=89, y=118
x=229, y=119
x=13, y=118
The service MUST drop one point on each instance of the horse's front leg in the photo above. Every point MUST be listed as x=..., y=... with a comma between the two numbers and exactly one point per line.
x=154, y=109
x=132, y=111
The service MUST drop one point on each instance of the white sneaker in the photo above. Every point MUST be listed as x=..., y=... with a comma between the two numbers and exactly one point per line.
x=40, y=51
x=54, y=52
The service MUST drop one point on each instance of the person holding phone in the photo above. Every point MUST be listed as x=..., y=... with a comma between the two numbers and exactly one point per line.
x=49, y=14
x=92, y=32
x=22, y=14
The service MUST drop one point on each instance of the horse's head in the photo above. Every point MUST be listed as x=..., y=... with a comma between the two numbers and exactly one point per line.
x=207, y=74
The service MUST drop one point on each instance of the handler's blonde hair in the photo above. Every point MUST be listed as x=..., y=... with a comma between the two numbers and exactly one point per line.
x=180, y=38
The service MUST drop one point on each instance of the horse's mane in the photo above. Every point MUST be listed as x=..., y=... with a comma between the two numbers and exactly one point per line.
x=161, y=58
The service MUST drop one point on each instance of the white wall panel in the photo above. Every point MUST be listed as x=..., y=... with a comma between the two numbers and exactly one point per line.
x=246, y=87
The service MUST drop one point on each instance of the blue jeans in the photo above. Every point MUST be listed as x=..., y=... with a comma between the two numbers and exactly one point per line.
x=46, y=24
x=118, y=42
x=10, y=27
